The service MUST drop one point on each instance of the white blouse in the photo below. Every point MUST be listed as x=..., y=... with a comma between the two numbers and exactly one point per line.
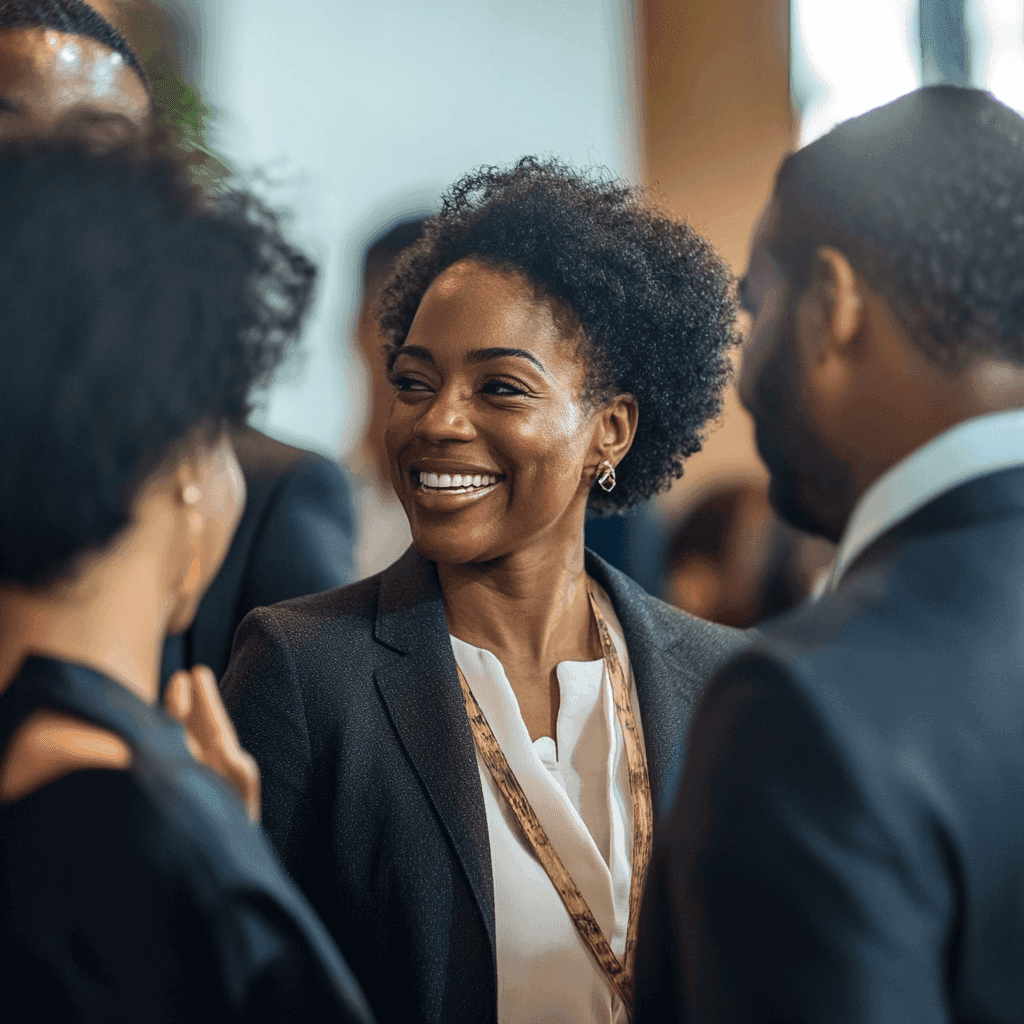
x=579, y=789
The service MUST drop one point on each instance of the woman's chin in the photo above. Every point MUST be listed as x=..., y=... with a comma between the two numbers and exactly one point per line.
x=448, y=549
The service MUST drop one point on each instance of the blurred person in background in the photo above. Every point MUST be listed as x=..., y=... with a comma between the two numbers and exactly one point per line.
x=847, y=844
x=555, y=344
x=631, y=543
x=733, y=561
x=133, y=885
x=66, y=69
x=383, y=528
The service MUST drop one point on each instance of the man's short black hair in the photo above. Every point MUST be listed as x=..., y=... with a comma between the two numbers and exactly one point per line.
x=925, y=198
x=652, y=299
x=133, y=312
x=73, y=18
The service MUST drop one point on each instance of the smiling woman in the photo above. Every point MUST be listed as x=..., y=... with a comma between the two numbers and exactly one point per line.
x=463, y=757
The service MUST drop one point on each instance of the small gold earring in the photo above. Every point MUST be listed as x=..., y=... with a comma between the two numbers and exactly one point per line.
x=606, y=477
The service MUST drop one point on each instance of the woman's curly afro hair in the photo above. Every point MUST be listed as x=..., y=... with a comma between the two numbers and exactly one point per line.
x=653, y=299
x=133, y=313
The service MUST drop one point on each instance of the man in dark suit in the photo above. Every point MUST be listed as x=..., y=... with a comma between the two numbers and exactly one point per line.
x=847, y=843
x=65, y=69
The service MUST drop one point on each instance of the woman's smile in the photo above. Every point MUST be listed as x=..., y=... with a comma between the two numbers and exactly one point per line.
x=440, y=487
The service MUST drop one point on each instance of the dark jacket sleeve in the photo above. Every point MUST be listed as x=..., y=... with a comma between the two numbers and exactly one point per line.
x=120, y=918
x=284, y=981
x=305, y=539
x=790, y=884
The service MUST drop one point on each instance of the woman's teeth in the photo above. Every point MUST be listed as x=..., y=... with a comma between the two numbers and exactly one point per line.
x=455, y=481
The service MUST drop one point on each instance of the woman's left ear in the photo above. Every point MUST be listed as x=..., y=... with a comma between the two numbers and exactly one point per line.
x=616, y=429
x=189, y=581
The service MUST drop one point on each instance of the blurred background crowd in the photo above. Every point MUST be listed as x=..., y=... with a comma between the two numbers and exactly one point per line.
x=356, y=116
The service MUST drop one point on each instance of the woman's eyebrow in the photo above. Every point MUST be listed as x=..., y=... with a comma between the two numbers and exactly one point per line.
x=482, y=355
x=414, y=352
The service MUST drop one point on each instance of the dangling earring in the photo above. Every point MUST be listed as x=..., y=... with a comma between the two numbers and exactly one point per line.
x=187, y=588
x=606, y=477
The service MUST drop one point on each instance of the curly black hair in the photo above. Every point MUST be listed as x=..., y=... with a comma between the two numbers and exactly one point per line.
x=132, y=312
x=925, y=198
x=654, y=301
x=70, y=17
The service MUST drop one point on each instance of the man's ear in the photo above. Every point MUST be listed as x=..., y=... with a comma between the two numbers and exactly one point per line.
x=833, y=306
x=616, y=429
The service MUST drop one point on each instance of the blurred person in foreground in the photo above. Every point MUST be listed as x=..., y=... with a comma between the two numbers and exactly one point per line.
x=65, y=69
x=133, y=885
x=848, y=840
x=555, y=343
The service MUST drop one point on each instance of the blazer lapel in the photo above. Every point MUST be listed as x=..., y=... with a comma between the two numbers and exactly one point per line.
x=425, y=705
x=662, y=683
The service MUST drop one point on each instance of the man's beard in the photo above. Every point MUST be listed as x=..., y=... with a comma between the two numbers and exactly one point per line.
x=810, y=487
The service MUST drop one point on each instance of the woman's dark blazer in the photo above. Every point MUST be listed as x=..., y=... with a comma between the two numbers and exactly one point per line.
x=350, y=702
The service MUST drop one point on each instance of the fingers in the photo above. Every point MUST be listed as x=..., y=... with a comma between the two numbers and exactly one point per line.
x=178, y=698
x=208, y=722
x=208, y=719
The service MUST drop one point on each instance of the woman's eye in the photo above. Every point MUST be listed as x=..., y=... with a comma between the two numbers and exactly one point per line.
x=408, y=383
x=502, y=387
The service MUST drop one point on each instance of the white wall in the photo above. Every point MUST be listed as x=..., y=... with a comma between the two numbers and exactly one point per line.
x=364, y=109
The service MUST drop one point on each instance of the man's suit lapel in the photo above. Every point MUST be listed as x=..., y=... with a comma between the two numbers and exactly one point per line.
x=425, y=705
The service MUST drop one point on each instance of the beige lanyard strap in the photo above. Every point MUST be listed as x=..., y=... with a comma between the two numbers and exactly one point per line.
x=619, y=975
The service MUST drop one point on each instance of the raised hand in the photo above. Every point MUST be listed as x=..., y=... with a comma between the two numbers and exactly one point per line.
x=193, y=699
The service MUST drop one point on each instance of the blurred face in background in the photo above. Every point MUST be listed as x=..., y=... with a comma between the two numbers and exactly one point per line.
x=810, y=486
x=53, y=83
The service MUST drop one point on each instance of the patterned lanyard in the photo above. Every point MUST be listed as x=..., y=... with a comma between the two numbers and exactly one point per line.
x=619, y=975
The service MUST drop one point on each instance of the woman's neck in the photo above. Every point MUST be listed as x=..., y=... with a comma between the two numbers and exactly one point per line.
x=529, y=607
x=110, y=620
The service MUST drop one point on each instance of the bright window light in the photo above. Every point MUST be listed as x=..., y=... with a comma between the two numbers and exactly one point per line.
x=850, y=58
x=1000, y=50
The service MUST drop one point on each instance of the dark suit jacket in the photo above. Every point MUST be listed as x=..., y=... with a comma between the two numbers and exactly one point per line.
x=351, y=704
x=295, y=538
x=848, y=839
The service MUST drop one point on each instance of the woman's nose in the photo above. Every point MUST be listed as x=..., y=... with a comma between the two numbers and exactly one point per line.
x=446, y=418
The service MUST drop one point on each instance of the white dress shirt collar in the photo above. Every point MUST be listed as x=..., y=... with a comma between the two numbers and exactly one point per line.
x=969, y=450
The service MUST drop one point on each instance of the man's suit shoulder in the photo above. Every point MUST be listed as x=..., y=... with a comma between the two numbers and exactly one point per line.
x=889, y=663
x=263, y=458
x=276, y=472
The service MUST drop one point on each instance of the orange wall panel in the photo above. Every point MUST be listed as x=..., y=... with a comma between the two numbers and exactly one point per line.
x=717, y=119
